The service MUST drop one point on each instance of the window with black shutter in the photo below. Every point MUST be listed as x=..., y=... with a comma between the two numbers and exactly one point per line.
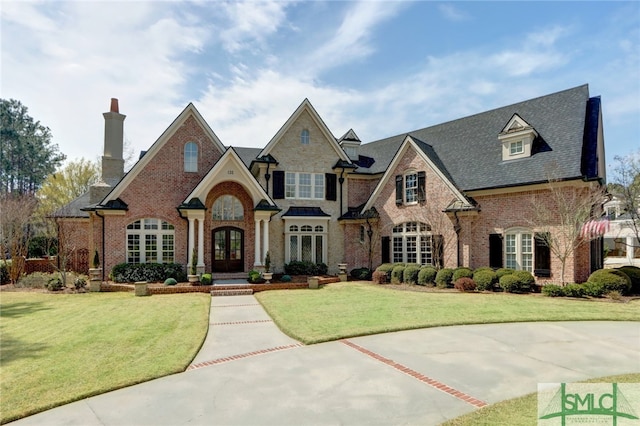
x=495, y=251
x=386, y=250
x=278, y=184
x=542, y=256
x=422, y=196
x=330, y=186
x=399, y=188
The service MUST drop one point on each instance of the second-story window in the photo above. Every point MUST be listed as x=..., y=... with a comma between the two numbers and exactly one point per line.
x=304, y=185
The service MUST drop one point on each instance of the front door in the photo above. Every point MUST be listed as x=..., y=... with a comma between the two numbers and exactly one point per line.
x=228, y=247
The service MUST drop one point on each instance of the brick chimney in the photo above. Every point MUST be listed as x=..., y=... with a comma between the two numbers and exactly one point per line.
x=112, y=160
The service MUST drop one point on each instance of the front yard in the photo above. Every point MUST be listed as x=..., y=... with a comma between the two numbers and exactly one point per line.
x=357, y=308
x=58, y=348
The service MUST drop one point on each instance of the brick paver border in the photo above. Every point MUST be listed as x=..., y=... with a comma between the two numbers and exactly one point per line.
x=416, y=375
x=242, y=356
x=240, y=322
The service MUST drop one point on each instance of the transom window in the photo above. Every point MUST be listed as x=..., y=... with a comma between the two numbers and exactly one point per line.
x=228, y=207
x=304, y=137
x=150, y=241
x=412, y=243
x=190, y=157
x=306, y=243
x=304, y=185
x=516, y=148
x=518, y=249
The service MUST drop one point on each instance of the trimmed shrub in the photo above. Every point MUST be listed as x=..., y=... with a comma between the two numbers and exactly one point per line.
x=4, y=272
x=633, y=273
x=285, y=278
x=379, y=277
x=504, y=271
x=397, y=274
x=150, y=272
x=427, y=275
x=510, y=283
x=254, y=277
x=574, y=290
x=361, y=274
x=80, y=283
x=410, y=274
x=552, y=290
x=443, y=277
x=55, y=284
x=170, y=281
x=611, y=280
x=464, y=284
x=386, y=268
x=206, y=279
x=305, y=268
x=483, y=268
x=485, y=279
x=461, y=272
x=526, y=280
x=593, y=289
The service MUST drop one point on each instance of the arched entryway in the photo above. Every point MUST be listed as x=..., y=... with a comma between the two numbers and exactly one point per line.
x=227, y=251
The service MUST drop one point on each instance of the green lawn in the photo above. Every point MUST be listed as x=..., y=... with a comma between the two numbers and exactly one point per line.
x=522, y=411
x=354, y=309
x=59, y=348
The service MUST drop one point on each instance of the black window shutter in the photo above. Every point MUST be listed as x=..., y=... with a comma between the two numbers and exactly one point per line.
x=542, y=254
x=495, y=250
x=278, y=184
x=330, y=186
x=399, y=185
x=597, y=251
x=386, y=253
x=422, y=196
x=437, y=247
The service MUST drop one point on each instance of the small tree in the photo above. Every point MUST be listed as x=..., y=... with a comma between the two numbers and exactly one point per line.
x=559, y=213
x=626, y=188
x=16, y=214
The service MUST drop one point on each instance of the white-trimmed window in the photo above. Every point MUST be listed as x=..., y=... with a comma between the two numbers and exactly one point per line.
x=304, y=137
x=190, y=157
x=412, y=243
x=228, y=207
x=304, y=186
x=516, y=148
x=150, y=241
x=518, y=249
x=306, y=243
x=411, y=188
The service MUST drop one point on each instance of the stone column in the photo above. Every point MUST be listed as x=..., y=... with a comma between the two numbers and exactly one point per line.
x=258, y=259
x=265, y=238
x=191, y=241
x=201, y=244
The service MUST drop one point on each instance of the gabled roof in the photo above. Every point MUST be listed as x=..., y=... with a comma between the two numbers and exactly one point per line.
x=145, y=159
x=305, y=106
x=430, y=158
x=218, y=173
x=349, y=136
x=74, y=208
x=471, y=151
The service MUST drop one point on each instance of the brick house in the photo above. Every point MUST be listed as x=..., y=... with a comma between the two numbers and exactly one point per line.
x=457, y=193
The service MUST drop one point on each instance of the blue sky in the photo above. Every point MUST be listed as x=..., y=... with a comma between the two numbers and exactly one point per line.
x=379, y=67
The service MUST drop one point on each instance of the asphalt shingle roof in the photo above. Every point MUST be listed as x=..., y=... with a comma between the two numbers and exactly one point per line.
x=470, y=152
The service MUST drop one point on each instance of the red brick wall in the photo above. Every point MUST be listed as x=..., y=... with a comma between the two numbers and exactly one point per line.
x=359, y=190
x=158, y=189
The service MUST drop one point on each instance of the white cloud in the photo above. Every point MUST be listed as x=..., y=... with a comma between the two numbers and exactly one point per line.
x=453, y=13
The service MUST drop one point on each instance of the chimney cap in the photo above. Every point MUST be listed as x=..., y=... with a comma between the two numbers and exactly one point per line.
x=114, y=105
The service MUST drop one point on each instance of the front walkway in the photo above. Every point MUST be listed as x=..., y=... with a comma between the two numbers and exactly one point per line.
x=249, y=373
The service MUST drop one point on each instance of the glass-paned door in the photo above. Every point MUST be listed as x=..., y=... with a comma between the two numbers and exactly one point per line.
x=228, y=249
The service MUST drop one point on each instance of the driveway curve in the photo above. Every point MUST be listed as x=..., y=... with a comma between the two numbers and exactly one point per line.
x=249, y=373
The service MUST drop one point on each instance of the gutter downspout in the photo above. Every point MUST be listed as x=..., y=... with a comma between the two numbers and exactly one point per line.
x=457, y=229
x=103, y=243
x=267, y=176
x=341, y=180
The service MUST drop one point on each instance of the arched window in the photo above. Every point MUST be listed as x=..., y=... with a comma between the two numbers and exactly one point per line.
x=304, y=137
x=228, y=207
x=518, y=249
x=150, y=241
x=413, y=243
x=190, y=157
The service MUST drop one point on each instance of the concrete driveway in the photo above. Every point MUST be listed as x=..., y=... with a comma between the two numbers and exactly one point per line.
x=249, y=373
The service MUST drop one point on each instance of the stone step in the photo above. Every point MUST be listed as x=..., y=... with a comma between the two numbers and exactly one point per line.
x=232, y=292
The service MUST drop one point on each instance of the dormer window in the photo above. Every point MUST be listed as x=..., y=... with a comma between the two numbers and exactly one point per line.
x=517, y=139
x=516, y=148
x=304, y=137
